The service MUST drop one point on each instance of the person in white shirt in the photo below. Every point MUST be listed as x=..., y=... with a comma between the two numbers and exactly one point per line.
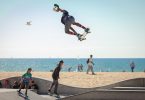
x=90, y=65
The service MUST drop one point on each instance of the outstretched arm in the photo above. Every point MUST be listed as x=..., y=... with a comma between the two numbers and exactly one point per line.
x=61, y=10
x=57, y=9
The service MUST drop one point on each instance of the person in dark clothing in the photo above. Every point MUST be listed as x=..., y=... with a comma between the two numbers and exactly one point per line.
x=69, y=69
x=68, y=21
x=55, y=76
x=132, y=66
x=1, y=85
x=81, y=67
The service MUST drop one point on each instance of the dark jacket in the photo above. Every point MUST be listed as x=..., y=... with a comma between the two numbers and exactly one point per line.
x=64, y=17
x=55, y=74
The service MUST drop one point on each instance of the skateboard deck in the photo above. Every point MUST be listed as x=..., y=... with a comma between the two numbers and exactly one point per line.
x=23, y=96
x=83, y=37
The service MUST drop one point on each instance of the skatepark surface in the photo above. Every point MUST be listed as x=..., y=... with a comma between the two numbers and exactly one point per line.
x=133, y=89
x=11, y=94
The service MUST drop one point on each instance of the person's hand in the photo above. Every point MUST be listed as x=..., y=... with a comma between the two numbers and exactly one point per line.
x=56, y=8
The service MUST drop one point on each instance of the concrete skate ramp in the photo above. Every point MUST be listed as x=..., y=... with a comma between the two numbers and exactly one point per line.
x=44, y=84
x=109, y=95
x=136, y=82
x=11, y=94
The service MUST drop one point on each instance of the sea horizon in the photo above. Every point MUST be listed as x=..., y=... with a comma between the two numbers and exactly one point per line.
x=48, y=64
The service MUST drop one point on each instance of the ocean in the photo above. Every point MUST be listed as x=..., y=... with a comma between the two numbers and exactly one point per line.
x=47, y=64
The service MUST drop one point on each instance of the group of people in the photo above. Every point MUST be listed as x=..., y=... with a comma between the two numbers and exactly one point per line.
x=55, y=74
x=80, y=68
x=27, y=82
x=27, y=77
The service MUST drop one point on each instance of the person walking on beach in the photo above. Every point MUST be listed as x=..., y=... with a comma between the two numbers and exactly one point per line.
x=55, y=76
x=69, y=69
x=90, y=64
x=132, y=66
x=26, y=79
x=81, y=67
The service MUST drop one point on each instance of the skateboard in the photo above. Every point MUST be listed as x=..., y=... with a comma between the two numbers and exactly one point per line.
x=23, y=96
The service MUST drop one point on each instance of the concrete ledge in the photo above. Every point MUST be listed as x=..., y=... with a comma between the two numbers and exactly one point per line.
x=129, y=88
x=109, y=95
x=137, y=82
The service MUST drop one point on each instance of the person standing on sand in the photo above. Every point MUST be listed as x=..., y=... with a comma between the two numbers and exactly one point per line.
x=81, y=67
x=69, y=69
x=90, y=64
x=132, y=66
x=55, y=76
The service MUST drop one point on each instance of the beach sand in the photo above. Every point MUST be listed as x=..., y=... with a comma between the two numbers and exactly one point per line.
x=81, y=79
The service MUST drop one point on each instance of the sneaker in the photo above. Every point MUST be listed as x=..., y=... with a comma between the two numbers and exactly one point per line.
x=93, y=74
x=79, y=36
x=49, y=91
x=87, y=30
x=26, y=95
x=56, y=93
x=19, y=91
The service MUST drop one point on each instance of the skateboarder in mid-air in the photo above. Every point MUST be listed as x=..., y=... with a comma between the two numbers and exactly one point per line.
x=68, y=20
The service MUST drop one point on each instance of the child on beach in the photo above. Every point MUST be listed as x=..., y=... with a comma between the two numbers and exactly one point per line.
x=55, y=76
x=26, y=79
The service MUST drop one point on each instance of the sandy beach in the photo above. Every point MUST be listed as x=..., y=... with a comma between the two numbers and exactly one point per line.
x=81, y=79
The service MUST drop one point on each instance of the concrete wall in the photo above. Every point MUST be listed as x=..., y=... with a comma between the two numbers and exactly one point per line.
x=138, y=82
x=11, y=81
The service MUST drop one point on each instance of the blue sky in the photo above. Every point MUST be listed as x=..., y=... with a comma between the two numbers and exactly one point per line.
x=117, y=26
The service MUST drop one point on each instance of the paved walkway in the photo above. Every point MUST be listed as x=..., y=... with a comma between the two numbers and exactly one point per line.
x=11, y=94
